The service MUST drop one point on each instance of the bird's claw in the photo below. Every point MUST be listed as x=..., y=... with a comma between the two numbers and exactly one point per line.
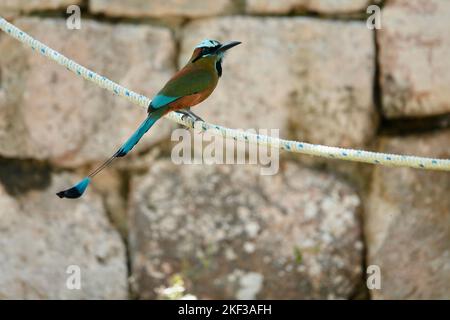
x=191, y=116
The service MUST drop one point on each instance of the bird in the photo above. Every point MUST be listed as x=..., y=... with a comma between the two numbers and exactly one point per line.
x=191, y=85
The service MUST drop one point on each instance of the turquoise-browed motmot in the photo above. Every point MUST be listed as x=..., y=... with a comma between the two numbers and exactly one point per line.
x=188, y=87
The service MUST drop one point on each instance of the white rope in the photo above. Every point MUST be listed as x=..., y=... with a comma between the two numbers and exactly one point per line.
x=288, y=145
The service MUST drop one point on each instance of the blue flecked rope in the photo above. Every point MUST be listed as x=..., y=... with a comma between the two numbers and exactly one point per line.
x=288, y=145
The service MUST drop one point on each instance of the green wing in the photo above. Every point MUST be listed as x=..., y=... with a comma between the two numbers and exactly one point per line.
x=188, y=81
x=184, y=83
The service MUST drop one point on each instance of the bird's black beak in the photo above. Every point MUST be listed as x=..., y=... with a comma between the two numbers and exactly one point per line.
x=228, y=45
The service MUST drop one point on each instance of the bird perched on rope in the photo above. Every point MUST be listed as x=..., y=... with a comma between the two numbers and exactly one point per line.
x=188, y=87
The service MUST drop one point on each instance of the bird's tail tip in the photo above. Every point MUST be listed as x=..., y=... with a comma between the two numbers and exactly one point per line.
x=76, y=191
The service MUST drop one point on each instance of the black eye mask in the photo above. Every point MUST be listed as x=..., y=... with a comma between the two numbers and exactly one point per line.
x=205, y=51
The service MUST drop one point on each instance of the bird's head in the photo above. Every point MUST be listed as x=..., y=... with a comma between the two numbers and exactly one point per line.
x=211, y=50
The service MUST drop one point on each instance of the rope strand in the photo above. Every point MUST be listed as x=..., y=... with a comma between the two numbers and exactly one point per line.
x=287, y=145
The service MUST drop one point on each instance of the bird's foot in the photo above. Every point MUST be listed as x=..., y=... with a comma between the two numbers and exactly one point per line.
x=194, y=116
x=184, y=115
x=189, y=114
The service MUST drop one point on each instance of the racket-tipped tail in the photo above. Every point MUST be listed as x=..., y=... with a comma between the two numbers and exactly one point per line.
x=76, y=191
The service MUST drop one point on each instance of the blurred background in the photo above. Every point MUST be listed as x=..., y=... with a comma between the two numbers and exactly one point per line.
x=150, y=229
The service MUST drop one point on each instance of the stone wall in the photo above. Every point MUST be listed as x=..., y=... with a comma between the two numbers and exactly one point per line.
x=309, y=68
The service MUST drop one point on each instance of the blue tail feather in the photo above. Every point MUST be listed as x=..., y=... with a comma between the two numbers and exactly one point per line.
x=78, y=190
x=137, y=135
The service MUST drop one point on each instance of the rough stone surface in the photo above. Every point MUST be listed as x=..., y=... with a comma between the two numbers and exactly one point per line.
x=300, y=75
x=321, y=6
x=161, y=8
x=414, y=48
x=110, y=185
x=407, y=224
x=14, y=7
x=42, y=235
x=234, y=234
x=49, y=113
